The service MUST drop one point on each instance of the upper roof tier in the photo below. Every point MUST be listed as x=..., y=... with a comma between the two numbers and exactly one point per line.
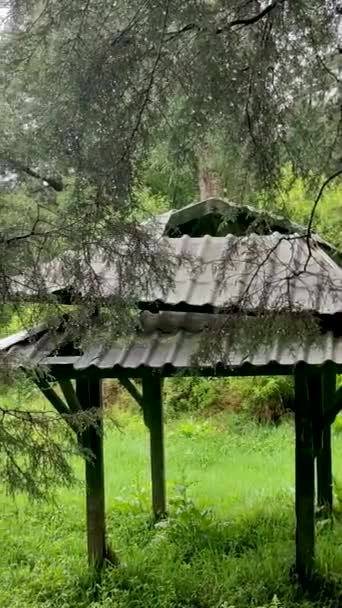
x=254, y=262
x=219, y=217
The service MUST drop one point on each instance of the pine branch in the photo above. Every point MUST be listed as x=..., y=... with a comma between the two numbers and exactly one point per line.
x=319, y=196
x=55, y=183
x=191, y=27
x=251, y=20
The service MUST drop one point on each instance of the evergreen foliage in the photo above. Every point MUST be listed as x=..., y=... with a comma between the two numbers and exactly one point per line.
x=109, y=110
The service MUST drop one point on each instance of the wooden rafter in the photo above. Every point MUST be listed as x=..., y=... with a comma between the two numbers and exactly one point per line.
x=135, y=393
x=56, y=401
x=132, y=389
x=70, y=395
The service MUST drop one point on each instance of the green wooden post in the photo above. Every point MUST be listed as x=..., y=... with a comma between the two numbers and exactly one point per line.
x=152, y=399
x=89, y=395
x=324, y=460
x=305, y=478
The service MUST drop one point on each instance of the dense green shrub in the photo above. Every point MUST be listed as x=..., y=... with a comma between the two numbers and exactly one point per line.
x=294, y=200
x=192, y=395
x=265, y=399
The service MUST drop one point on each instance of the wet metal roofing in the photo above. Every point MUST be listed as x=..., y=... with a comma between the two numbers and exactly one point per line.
x=260, y=221
x=252, y=273
x=176, y=341
x=171, y=342
x=255, y=272
x=243, y=277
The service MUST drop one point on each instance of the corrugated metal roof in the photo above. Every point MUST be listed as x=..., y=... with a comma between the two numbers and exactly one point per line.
x=185, y=340
x=257, y=219
x=175, y=341
x=158, y=224
x=255, y=272
x=21, y=336
x=179, y=351
x=252, y=273
x=226, y=208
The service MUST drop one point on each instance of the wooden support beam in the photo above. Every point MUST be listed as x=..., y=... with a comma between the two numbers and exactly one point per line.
x=305, y=478
x=70, y=395
x=324, y=459
x=152, y=396
x=52, y=396
x=64, y=368
x=57, y=403
x=324, y=475
x=89, y=396
x=335, y=408
x=135, y=393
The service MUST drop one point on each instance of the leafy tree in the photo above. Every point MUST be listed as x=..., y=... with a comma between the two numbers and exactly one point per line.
x=97, y=93
x=294, y=199
x=115, y=78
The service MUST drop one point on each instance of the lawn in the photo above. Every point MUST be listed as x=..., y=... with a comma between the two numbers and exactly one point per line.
x=229, y=541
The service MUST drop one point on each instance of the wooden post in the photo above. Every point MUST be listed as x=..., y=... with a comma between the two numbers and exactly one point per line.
x=305, y=478
x=89, y=395
x=324, y=460
x=152, y=397
x=324, y=474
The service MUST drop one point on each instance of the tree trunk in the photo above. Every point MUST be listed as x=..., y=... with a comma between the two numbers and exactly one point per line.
x=209, y=180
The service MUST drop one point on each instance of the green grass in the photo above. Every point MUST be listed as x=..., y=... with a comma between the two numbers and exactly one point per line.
x=229, y=540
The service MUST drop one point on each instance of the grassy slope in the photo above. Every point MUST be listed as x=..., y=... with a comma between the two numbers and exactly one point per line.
x=239, y=557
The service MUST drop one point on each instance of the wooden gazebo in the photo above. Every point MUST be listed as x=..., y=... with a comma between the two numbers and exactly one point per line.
x=247, y=270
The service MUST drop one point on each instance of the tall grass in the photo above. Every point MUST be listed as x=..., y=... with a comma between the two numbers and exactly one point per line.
x=229, y=540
